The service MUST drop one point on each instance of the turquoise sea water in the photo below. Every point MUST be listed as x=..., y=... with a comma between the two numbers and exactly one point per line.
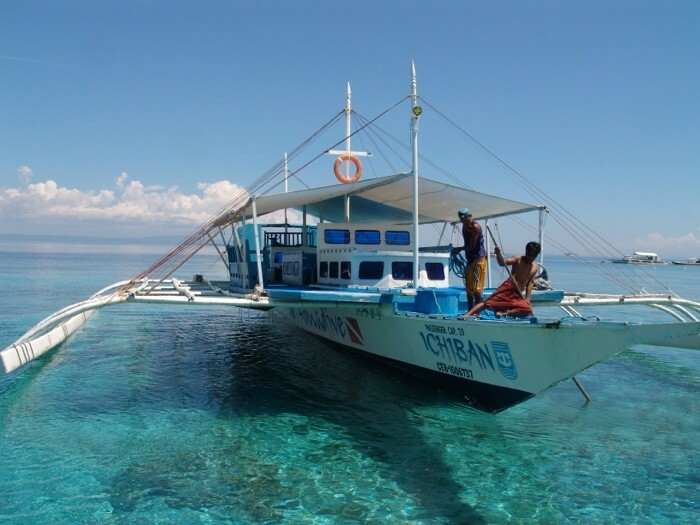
x=186, y=415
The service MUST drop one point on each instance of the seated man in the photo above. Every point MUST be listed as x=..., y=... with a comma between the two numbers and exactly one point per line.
x=512, y=298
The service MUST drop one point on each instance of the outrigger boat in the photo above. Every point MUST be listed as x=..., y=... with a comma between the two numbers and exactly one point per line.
x=694, y=261
x=640, y=258
x=352, y=270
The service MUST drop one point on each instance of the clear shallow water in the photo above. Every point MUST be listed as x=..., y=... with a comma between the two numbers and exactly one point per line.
x=178, y=415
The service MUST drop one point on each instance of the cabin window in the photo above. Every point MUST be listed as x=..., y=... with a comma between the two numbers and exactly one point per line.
x=296, y=267
x=367, y=237
x=371, y=270
x=331, y=236
x=278, y=257
x=333, y=273
x=435, y=271
x=345, y=272
x=402, y=270
x=402, y=238
x=323, y=269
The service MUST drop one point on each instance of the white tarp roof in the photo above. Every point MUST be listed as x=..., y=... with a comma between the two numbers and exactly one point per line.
x=390, y=199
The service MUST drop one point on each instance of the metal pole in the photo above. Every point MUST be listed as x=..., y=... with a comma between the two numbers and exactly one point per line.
x=416, y=111
x=583, y=390
x=286, y=189
x=488, y=255
x=303, y=226
x=541, y=237
x=258, y=255
x=213, y=242
x=348, y=110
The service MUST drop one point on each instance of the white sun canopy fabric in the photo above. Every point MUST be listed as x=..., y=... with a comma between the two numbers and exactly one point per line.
x=390, y=199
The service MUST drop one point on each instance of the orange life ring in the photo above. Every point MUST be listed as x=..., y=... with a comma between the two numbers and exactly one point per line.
x=358, y=168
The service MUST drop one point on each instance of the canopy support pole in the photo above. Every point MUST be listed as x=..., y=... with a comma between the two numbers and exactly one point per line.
x=258, y=255
x=303, y=227
x=541, y=238
x=488, y=255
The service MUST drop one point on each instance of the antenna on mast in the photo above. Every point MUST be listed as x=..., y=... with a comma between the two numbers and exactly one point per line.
x=348, y=111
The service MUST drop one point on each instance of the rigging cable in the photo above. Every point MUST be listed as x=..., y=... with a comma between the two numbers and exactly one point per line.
x=232, y=211
x=592, y=241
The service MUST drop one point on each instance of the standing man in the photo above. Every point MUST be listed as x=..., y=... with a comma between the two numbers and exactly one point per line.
x=475, y=253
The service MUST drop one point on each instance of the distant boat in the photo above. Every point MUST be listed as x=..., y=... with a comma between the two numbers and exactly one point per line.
x=693, y=261
x=640, y=258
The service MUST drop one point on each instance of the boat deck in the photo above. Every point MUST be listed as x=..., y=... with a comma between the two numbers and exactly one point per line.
x=450, y=301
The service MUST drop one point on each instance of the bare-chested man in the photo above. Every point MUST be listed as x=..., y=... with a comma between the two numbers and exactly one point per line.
x=512, y=298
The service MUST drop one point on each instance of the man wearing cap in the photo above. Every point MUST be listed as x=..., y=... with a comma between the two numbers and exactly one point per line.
x=475, y=273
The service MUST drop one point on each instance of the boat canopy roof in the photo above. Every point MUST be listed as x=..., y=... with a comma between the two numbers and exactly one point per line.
x=390, y=199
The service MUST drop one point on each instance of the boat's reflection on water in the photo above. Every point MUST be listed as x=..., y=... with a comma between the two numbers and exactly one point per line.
x=187, y=415
x=352, y=414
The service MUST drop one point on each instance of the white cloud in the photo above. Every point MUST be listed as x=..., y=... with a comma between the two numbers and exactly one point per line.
x=46, y=207
x=25, y=174
x=685, y=244
x=121, y=179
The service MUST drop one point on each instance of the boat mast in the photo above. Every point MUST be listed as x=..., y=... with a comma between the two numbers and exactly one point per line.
x=286, y=189
x=348, y=151
x=348, y=113
x=415, y=114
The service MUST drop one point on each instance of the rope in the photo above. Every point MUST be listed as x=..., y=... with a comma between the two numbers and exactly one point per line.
x=458, y=264
x=591, y=242
x=233, y=211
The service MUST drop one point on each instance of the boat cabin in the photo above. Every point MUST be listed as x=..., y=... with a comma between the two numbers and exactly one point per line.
x=640, y=258
x=644, y=257
x=378, y=256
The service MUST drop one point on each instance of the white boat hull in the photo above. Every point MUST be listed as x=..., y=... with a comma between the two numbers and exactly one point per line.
x=491, y=364
x=686, y=263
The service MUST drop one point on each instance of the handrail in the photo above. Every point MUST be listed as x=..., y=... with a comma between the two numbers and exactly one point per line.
x=666, y=303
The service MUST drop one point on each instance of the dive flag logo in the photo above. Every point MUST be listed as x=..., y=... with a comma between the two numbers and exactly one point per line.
x=354, y=331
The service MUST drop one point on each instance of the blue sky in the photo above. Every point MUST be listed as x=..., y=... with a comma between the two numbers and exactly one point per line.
x=133, y=118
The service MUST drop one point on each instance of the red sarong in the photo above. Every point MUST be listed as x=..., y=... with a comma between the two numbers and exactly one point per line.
x=507, y=299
